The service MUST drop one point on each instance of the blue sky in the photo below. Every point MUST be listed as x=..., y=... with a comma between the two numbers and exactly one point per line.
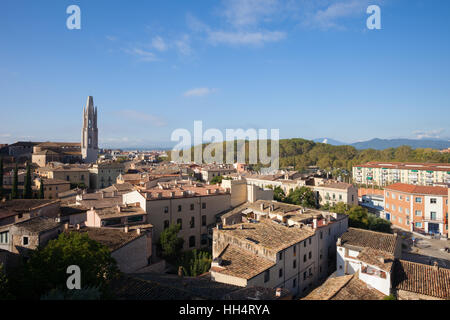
x=309, y=68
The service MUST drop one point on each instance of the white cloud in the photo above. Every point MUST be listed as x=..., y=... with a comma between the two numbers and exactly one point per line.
x=242, y=13
x=430, y=134
x=330, y=15
x=139, y=116
x=159, y=44
x=245, y=38
x=199, y=92
x=111, y=38
x=183, y=45
x=143, y=55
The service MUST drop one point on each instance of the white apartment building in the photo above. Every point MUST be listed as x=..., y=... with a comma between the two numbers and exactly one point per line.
x=276, y=245
x=385, y=173
x=370, y=254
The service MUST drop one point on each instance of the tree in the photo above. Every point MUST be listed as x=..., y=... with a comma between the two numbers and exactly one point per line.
x=195, y=262
x=302, y=196
x=170, y=244
x=278, y=194
x=216, y=180
x=27, y=190
x=46, y=270
x=4, y=285
x=14, y=191
x=1, y=176
x=41, y=190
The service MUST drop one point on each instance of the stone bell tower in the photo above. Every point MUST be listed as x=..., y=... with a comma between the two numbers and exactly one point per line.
x=89, y=132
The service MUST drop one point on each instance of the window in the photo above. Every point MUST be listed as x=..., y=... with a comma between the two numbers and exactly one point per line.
x=418, y=200
x=295, y=251
x=387, y=194
x=25, y=241
x=400, y=220
x=304, y=275
x=407, y=211
x=310, y=271
x=393, y=207
x=407, y=198
x=135, y=219
x=400, y=197
x=179, y=207
x=321, y=235
x=309, y=240
x=310, y=255
x=280, y=272
x=433, y=215
x=304, y=258
x=191, y=241
x=418, y=224
x=387, y=205
x=433, y=200
x=203, y=220
x=294, y=283
x=166, y=209
x=393, y=196
x=304, y=244
x=192, y=222
x=266, y=276
x=400, y=209
x=192, y=206
x=180, y=222
x=166, y=224
x=204, y=239
x=418, y=213
x=340, y=197
x=203, y=205
x=294, y=264
x=280, y=256
x=4, y=237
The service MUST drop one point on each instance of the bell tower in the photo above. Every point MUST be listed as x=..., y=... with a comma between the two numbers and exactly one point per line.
x=89, y=132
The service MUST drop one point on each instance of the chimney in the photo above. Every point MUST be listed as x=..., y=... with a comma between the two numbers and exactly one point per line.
x=102, y=195
x=172, y=194
x=118, y=208
x=315, y=223
x=278, y=292
x=339, y=242
x=138, y=231
x=208, y=191
x=382, y=260
x=78, y=226
x=66, y=226
x=262, y=206
x=436, y=266
x=125, y=229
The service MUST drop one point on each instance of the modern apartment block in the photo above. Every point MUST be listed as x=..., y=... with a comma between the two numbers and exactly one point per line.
x=276, y=245
x=417, y=208
x=386, y=173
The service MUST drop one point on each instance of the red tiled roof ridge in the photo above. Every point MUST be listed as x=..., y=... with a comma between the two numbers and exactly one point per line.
x=415, y=189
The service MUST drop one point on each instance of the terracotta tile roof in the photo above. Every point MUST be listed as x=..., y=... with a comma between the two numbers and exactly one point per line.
x=336, y=185
x=415, y=189
x=267, y=234
x=37, y=225
x=370, y=239
x=16, y=206
x=377, y=258
x=344, y=288
x=422, y=279
x=241, y=263
x=113, y=239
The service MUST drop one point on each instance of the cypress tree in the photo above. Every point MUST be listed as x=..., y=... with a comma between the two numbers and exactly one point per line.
x=1, y=176
x=14, y=192
x=41, y=190
x=27, y=190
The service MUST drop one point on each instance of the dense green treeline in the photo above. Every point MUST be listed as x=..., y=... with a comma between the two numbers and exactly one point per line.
x=301, y=153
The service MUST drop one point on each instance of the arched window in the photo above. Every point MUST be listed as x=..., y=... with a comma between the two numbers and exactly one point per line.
x=191, y=241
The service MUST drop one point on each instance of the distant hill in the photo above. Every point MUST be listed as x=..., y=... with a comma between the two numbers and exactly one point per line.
x=381, y=144
x=330, y=141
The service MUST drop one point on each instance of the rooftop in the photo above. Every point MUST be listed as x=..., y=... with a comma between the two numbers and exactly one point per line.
x=112, y=238
x=414, y=189
x=113, y=212
x=16, y=206
x=422, y=279
x=37, y=225
x=369, y=239
x=241, y=263
x=268, y=234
